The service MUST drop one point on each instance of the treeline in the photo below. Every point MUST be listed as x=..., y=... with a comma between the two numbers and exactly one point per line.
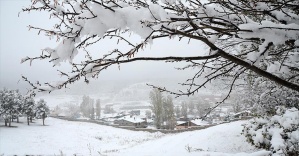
x=90, y=108
x=163, y=110
x=165, y=114
x=14, y=105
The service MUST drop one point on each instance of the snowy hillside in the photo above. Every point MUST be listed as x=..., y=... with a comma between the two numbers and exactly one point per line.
x=87, y=138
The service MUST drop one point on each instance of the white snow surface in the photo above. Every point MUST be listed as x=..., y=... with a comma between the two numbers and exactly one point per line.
x=92, y=139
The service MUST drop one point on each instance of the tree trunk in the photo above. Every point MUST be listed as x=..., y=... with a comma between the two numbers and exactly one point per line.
x=28, y=120
x=5, y=121
x=43, y=121
x=17, y=119
x=9, y=123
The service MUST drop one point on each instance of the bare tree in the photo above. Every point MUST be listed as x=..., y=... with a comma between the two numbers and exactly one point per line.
x=243, y=37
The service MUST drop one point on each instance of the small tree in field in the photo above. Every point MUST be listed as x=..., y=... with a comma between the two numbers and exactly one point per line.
x=41, y=110
x=10, y=105
x=29, y=105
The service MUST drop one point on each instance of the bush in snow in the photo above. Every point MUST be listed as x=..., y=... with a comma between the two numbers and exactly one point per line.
x=279, y=133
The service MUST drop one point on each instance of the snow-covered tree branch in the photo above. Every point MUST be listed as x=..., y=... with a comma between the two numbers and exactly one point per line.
x=243, y=37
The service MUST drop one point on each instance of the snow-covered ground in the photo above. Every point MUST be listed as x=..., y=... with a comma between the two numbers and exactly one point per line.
x=92, y=139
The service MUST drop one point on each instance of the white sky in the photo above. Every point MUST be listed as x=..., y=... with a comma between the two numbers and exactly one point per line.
x=16, y=42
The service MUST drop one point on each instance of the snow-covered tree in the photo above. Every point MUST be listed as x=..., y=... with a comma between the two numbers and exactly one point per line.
x=240, y=37
x=18, y=105
x=29, y=105
x=278, y=133
x=73, y=110
x=87, y=107
x=41, y=110
x=157, y=106
x=56, y=111
x=10, y=105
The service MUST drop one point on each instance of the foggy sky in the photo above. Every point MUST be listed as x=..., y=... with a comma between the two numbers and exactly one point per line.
x=16, y=42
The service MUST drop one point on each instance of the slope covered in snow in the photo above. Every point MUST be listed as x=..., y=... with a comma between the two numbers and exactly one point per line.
x=92, y=139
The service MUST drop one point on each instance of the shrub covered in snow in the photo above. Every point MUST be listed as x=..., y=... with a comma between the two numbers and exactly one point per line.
x=279, y=133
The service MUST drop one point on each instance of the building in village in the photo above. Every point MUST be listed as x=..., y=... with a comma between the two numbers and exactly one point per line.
x=131, y=121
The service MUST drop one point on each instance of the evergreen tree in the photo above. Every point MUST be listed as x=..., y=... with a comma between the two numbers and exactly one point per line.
x=9, y=105
x=41, y=110
x=29, y=105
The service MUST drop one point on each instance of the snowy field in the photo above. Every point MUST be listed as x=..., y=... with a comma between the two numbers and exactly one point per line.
x=78, y=138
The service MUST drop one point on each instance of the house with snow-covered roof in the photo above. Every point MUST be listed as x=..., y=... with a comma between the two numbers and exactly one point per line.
x=131, y=121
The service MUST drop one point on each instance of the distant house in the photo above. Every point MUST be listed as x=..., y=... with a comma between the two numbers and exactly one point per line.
x=131, y=121
x=182, y=124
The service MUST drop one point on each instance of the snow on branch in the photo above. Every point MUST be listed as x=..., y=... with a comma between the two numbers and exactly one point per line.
x=257, y=36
